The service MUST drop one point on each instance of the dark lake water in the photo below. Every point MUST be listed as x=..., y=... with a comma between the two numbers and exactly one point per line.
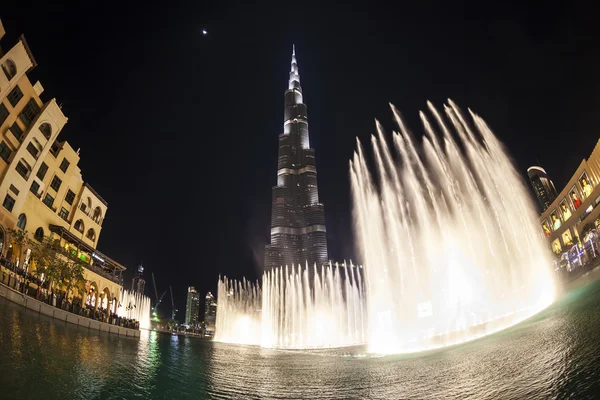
x=555, y=354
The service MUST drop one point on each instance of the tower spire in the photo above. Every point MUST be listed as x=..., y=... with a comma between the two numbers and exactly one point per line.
x=294, y=74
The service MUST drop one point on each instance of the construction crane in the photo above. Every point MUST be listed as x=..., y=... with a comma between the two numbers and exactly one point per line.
x=173, y=309
x=158, y=299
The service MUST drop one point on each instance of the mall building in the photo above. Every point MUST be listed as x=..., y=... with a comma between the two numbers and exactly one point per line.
x=42, y=190
x=570, y=222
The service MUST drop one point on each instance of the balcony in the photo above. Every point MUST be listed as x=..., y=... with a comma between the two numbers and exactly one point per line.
x=90, y=214
x=99, y=263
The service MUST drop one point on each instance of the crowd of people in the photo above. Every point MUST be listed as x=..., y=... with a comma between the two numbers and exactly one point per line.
x=32, y=286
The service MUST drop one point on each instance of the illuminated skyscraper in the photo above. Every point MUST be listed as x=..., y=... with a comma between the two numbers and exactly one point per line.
x=542, y=185
x=210, y=314
x=138, y=283
x=298, y=233
x=192, y=307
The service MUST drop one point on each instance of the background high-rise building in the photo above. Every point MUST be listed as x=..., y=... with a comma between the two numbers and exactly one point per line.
x=298, y=233
x=210, y=314
x=138, y=283
x=192, y=307
x=542, y=186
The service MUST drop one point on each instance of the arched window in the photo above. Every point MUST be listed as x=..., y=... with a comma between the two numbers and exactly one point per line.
x=79, y=225
x=39, y=234
x=10, y=69
x=97, y=214
x=46, y=130
x=91, y=235
x=22, y=222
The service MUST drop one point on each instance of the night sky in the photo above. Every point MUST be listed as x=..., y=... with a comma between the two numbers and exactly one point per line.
x=178, y=131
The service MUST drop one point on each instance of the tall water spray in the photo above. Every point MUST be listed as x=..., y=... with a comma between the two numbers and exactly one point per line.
x=448, y=235
x=238, y=312
x=136, y=306
x=295, y=309
x=300, y=314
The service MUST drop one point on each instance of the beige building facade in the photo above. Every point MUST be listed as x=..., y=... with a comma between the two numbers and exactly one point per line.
x=571, y=222
x=42, y=190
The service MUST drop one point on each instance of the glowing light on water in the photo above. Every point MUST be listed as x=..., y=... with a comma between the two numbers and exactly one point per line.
x=134, y=306
x=448, y=235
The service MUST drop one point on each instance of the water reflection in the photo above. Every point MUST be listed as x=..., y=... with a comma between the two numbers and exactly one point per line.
x=552, y=355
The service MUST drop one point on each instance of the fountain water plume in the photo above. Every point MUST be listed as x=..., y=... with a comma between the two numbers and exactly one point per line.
x=238, y=313
x=298, y=308
x=448, y=234
x=134, y=306
x=300, y=314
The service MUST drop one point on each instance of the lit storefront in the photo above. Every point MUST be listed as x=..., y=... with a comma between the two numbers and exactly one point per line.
x=571, y=222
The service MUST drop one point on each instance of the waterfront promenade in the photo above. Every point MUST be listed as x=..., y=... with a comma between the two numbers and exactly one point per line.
x=57, y=313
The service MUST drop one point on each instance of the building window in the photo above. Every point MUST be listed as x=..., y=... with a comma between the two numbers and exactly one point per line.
x=42, y=171
x=39, y=234
x=17, y=131
x=3, y=113
x=56, y=182
x=48, y=200
x=55, y=149
x=22, y=170
x=70, y=197
x=46, y=130
x=35, y=188
x=79, y=225
x=14, y=96
x=10, y=69
x=33, y=150
x=4, y=151
x=64, y=165
x=30, y=111
x=91, y=235
x=22, y=222
x=14, y=189
x=97, y=214
x=64, y=213
x=9, y=202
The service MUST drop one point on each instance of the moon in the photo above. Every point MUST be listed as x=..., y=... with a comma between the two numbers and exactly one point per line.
x=204, y=32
